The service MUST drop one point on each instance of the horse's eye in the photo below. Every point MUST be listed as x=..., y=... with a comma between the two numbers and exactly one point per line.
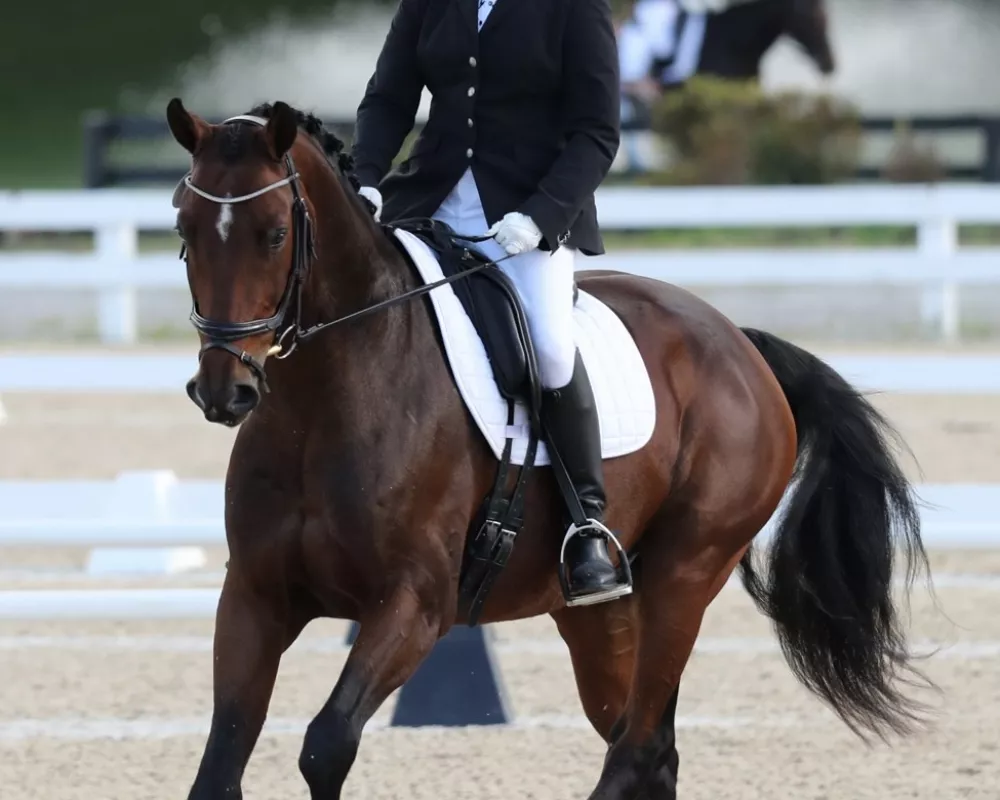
x=276, y=238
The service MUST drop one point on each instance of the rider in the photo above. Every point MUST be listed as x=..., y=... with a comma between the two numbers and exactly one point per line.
x=523, y=128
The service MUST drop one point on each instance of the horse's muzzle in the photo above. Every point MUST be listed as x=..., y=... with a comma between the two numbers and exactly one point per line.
x=229, y=405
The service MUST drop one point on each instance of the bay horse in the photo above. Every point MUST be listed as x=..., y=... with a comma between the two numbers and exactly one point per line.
x=727, y=39
x=732, y=45
x=738, y=37
x=356, y=473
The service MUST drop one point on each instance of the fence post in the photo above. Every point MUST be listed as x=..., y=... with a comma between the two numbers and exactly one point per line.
x=117, y=312
x=96, y=125
x=937, y=241
x=991, y=164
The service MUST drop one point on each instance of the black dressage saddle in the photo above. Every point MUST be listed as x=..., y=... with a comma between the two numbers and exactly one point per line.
x=492, y=303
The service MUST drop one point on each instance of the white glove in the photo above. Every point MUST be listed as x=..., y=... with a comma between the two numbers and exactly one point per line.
x=516, y=233
x=373, y=196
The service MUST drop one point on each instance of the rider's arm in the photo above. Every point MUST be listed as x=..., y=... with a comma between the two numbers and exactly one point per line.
x=591, y=119
x=389, y=107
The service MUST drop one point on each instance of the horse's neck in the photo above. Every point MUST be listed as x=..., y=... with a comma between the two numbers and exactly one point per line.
x=355, y=267
x=767, y=30
x=749, y=30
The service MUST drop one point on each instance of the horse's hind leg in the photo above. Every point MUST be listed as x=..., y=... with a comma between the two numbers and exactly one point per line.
x=251, y=633
x=661, y=783
x=684, y=571
x=602, y=642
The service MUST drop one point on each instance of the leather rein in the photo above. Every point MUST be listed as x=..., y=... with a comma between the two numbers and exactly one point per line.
x=285, y=323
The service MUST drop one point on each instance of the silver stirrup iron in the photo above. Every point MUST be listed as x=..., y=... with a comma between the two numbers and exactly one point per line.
x=597, y=597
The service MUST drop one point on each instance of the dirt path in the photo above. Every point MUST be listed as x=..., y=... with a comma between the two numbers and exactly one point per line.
x=120, y=710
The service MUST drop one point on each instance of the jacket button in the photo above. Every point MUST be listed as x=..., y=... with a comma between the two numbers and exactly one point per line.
x=472, y=90
x=469, y=152
x=472, y=60
x=471, y=122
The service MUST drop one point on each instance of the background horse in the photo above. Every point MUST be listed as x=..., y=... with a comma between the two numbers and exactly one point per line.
x=353, y=483
x=733, y=45
x=738, y=38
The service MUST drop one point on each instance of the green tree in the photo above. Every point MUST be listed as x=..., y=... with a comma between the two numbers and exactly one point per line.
x=62, y=57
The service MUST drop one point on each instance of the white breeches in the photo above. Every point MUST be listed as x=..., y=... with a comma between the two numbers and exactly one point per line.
x=544, y=282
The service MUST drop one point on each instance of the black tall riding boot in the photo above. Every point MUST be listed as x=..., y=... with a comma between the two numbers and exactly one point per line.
x=570, y=418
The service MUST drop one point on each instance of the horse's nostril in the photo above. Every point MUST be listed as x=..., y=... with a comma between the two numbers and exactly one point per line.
x=194, y=394
x=243, y=398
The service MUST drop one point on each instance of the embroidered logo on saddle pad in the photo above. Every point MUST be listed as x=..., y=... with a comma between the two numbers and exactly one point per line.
x=622, y=389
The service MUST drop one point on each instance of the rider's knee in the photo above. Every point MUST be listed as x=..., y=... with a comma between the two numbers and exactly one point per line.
x=555, y=366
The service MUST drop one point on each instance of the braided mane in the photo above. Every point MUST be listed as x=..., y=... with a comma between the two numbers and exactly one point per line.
x=333, y=146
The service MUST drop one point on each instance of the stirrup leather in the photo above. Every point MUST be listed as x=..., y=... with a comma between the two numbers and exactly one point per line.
x=593, y=527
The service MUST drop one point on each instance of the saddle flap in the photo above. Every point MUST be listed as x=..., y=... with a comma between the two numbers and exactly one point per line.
x=487, y=298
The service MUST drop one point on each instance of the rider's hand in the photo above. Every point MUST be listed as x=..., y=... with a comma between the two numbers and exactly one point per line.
x=373, y=196
x=516, y=233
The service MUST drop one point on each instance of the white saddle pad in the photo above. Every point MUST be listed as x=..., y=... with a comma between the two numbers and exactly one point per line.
x=622, y=389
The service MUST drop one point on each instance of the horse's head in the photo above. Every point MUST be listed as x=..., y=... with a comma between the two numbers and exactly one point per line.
x=807, y=24
x=244, y=220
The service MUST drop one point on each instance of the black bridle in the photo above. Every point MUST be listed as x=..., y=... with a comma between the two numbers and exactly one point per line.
x=221, y=335
x=285, y=323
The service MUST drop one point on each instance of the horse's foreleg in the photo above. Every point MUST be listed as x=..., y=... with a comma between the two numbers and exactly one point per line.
x=250, y=635
x=390, y=646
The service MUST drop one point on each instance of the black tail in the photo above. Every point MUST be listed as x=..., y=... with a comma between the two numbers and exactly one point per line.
x=830, y=574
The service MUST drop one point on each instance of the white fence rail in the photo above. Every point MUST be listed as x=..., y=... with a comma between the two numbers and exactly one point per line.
x=117, y=604
x=144, y=509
x=116, y=269
x=155, y=508
x=141, y=508
x=913, y=373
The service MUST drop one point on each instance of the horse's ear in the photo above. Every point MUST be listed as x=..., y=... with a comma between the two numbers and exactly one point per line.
x=188, y=129
x=281, y=130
